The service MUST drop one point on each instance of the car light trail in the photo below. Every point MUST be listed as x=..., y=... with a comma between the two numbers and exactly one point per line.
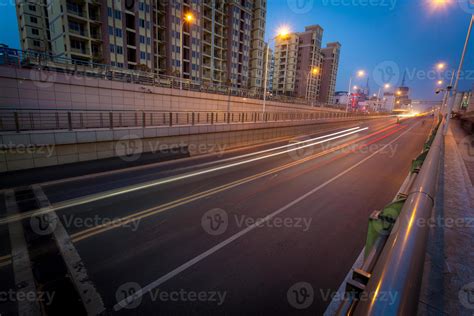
x=102, y=196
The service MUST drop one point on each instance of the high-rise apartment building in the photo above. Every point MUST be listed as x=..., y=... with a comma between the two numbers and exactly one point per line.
x=220, y=43
x=296, y=56
x=33, y=25
x=304, y=70
x=330, y=66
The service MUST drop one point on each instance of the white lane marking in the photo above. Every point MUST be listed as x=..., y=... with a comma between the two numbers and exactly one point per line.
x=90, y=297
x=21, y=263
x=112, y=193
x=234, y=237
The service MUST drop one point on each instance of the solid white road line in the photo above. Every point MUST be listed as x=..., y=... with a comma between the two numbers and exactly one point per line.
x=112, y=193
x=121, y=304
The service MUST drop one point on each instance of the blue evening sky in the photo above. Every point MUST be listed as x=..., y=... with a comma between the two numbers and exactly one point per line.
x=383, y=37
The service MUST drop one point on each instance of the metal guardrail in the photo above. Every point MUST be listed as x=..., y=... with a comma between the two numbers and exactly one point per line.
x=45, y=61
x=396, y=246
x=36, y=120
x=399, y=269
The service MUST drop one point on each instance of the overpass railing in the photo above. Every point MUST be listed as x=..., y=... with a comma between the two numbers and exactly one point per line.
x=388, y=281
x=45, y=61
x=37, y=120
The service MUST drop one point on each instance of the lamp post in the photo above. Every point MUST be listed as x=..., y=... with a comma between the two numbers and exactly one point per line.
x=313, y=72
x=458, y=74
x=385, y=86
x=189, y=18
x=360, y=74
x=283, y=34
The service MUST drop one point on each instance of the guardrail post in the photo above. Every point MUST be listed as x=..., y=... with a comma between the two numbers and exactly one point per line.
x=192, y=118
x=171, y=119
x=69, y=120
x=212, y=118
x=17, y=122
x=143, y=119
x=111, y=120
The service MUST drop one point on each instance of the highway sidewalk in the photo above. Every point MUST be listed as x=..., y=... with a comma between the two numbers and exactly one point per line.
x=448, y=278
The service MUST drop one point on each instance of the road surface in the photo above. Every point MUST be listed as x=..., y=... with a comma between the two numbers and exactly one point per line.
x=272, y=229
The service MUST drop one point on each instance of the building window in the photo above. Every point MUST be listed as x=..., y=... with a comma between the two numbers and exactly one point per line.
x=36, y=43
x=118, y=32
x=118, y=15
x=112, y=48
x=33, y=19
x=110, y=12
x=142, y=39
x=119, y=50
x=111, y=30
x=32, y=8
x=35, y=31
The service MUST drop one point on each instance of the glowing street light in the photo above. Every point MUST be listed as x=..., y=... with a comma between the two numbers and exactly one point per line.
x=315, y=71
x=387, y=86
x=441, y=66
x=439, y=82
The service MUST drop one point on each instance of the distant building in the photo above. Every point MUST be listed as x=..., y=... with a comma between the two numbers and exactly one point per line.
x=330, y=67
x=402, y=99
x=33, y=25
x=340, y=97
x=301, y=66
x=389, y=101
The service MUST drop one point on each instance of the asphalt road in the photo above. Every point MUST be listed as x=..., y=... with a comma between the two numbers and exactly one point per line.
x=272, y=232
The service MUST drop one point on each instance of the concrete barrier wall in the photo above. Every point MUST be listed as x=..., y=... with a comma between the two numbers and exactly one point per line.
x=40, y=149
x=33, y=89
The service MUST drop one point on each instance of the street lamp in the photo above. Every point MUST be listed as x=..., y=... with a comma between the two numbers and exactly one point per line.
x=436, y=4
x=313, y=72
x=283, y=33
x=187, y=18
x=439, y=82
x=440, y=66
x=385, y=86
x=360, y=74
